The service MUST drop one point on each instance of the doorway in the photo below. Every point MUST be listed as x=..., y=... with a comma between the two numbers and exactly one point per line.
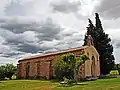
x=93, y=67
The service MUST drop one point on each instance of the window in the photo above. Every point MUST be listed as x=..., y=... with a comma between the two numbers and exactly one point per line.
x=93, y=58
x=27, y=69
x=97, y=58
x=87, y=53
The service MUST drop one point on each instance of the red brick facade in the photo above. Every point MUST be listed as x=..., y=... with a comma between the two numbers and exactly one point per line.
x=41, y=66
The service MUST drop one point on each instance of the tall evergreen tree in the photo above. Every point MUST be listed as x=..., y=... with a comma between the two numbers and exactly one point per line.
x=103, y=45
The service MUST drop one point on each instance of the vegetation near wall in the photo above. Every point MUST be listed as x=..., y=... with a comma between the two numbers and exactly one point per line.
x=65, y=67
x=68, y=65
x=7, y=71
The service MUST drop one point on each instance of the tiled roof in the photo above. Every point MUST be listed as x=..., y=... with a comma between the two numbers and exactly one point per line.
x=53, y=53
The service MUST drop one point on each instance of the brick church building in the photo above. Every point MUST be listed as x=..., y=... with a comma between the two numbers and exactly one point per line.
x=42, y=65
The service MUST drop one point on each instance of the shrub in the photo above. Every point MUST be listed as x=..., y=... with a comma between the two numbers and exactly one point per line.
x=63, y=70
x=114, y=72
x=7, y=71
x=68, y=66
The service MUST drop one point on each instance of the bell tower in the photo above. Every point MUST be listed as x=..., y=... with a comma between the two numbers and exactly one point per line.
x=90, y=40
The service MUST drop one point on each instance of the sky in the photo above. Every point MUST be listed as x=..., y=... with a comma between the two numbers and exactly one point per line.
x=30, y=27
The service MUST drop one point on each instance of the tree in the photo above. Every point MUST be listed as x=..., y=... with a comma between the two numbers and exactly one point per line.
x=68, y=66
x=115, y=67
x=2, y=72
x=103, y=45
x=64, y=68
x=7, y=71
x=10, y=69
x=78, y=63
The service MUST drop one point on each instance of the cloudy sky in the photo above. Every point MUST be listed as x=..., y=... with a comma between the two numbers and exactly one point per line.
x=39, y=26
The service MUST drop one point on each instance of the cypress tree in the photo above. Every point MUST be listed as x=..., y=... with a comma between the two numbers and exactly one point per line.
x=102, y=43
x=104, y=47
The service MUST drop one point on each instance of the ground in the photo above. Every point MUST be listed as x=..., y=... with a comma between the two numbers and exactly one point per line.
x=102, y=84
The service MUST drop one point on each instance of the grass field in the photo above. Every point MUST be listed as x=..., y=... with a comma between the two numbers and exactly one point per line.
x=103, y=84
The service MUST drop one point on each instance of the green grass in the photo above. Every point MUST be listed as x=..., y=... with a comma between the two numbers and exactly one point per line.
x=103, y=84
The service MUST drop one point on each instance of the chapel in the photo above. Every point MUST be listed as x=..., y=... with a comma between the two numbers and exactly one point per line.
x=39, y=66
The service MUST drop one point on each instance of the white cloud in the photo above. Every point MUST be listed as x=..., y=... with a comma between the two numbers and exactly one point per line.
x=88, y=6
x=4, y=60
x=32, y=26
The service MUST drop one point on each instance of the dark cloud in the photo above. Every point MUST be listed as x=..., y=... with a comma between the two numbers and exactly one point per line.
x=2, y=20
x=28, y=37
x=15, y=26
x=27, y=48
x=49, y=31
x=8, y=51
x=46, y=30
x=19, y=37
x=109, y=8
x=65, y=6
x=24, y=47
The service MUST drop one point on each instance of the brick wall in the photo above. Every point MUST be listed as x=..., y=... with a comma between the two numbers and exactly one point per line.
x=42, y=66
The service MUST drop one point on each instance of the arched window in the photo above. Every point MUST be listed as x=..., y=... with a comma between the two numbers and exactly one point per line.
x=93, y=58
x=97, y=58
x=27, y=70
x=88, y=54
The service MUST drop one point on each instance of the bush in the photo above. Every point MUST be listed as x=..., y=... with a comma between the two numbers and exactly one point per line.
x=7, y=71
x=114, y=72
x=14, y=77
x=62, y=70
x=68, y=66
x=65, y=67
